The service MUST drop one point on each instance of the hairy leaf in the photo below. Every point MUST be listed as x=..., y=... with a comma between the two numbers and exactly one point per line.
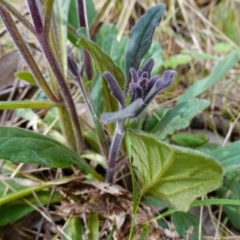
x=104, y=63
x=228, y=157
x=123, y=113
x=221, y=68
x=172, y=174
x=141, y=37
x=21, y=145
x=179, y=117
x=102, y=60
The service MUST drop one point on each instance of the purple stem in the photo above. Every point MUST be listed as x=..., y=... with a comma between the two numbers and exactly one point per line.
x=37, y=19
x=43, y=40
x=114, y=149
x=86, y=56
x=23, y=49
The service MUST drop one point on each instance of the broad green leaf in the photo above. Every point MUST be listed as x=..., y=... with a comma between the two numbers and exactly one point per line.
x=228, y=157
x=183, y=222
x=26, y=76
x=93, y=225
x=115, y=49
x=74, y=228
x=176, y=60
x=13, y=211
x=175, y=175
x=27, y=104
x=221, y=68
x=24, y=146
x=179, y=117
x=104, y=32
x=187, y=139
x=141, y=37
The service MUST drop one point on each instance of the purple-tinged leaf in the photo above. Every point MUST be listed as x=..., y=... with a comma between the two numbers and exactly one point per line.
x=141, y=38
x=152, y=82
x=123, y=113
x=148, y=66
x=163, y=83
x=134, y=75
x=72, y=64
x=137, y=92
x=115, y=89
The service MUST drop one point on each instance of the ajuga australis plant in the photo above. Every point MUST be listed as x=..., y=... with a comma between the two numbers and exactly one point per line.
x=113, y=94
x=142, y=89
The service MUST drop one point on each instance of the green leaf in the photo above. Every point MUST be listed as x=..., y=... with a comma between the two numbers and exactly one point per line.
x=115, y=50
x=93, y=225
x=27, y=104
x=223, y=47
x=221, y=68
x=172, y=174
x=74, y=229
x=186, y=139
x=104, y=32
x=102, y=60
x=17, y=209
x=153, y=120
x=141, y=37
x=228, y=157
x=97, y=95
x=183, y=222
x=24, y=146
x=73, y=19
x=26, y=76
x=104, y=63
x=176, y=60
x=179, y=117
x=230, y=189
x=61, y=8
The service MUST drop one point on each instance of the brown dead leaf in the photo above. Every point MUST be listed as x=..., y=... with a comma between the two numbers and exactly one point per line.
x=114, y=205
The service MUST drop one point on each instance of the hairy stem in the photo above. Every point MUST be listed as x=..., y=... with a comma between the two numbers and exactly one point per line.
x=17, y=15
x=73, y=71
x=83, y=23
x=114, y=149
x=43, y=40
x=18, y=40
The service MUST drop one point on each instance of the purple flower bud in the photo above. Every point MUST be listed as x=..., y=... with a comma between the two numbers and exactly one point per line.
x=72, y=64
x=115, y=89
x=148, y=66
x=134, y=75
